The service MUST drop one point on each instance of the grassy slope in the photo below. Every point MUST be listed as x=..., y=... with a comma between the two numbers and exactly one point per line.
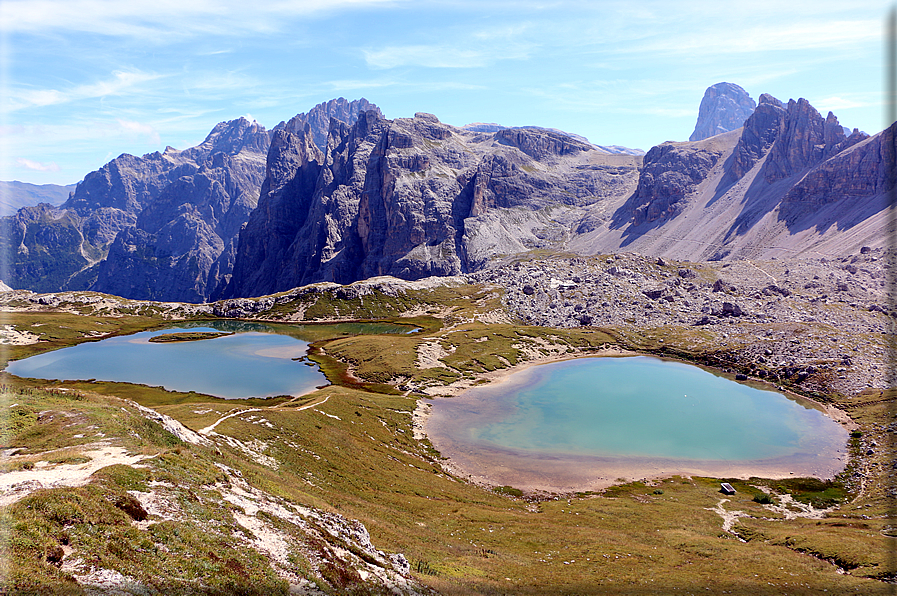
x=355, y=454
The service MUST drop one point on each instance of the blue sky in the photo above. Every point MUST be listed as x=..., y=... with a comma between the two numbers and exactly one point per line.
x=86, y=80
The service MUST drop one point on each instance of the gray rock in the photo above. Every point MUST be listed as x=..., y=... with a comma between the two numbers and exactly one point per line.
x=410, y=198
x=724, y=107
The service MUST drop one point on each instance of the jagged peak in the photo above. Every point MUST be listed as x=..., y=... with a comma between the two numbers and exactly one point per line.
x=768, y=99
x=318, y=118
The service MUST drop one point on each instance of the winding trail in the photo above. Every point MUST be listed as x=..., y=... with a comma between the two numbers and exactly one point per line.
x=209, y=429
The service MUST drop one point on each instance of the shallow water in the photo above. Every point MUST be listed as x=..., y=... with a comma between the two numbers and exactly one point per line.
x=594, y=416
x=258, y=360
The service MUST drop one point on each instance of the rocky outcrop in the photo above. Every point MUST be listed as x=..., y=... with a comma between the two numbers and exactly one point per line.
x=670, y=173
x=760, y=131
x=163, y=226
x=805, y=139
x=724, y=107
x=52, y=250
x=42, y=246
x=795, y=137
x=541, y=143
x=860, y=172
x=404, y=198
x=173, y=249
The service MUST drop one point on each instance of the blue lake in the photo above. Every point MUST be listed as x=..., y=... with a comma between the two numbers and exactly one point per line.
x=630, y=417
x=258, y=360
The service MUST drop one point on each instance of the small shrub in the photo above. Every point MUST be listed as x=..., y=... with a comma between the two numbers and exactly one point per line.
x=763, y=499
x=508, y=490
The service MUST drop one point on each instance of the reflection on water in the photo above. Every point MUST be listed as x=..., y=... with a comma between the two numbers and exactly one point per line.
x=651, y=413
x=259, y=360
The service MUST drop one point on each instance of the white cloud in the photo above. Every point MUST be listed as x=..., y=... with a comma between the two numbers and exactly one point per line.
x=428, y=56
x=129, y=126
x=810, y=35
x=37, y=166
x=474, y=52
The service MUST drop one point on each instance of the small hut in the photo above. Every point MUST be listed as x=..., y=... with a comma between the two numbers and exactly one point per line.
x=726, y=488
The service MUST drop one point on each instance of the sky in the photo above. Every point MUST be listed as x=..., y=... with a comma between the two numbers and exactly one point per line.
x=83, y=81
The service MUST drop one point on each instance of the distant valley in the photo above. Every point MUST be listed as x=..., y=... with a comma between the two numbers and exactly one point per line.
x=16, y=195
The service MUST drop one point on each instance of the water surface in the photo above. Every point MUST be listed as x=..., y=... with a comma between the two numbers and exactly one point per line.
x=628, y=417
x=258, y=360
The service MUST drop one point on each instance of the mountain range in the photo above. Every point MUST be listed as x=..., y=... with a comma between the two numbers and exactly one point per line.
x=341, y=193
x=15, y=195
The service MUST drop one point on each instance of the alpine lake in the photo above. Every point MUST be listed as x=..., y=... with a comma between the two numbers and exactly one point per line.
x=579, y=424
x=587, y=423
x=226, y=359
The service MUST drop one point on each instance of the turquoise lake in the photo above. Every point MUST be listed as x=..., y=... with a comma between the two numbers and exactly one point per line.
x=628, y=417
x=258, y=360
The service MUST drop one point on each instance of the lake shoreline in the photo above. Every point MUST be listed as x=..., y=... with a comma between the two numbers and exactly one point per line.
x=583, y=476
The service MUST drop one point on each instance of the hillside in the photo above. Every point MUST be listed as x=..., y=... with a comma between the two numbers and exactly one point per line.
x=192, y=494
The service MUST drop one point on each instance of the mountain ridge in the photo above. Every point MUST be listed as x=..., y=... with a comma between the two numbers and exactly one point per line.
x=250, y=211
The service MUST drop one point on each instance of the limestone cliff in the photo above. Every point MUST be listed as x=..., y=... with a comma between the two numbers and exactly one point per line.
x=406, y=197
x=318, y=118
x=195, y=211
x=724, y=107
x=790, y=182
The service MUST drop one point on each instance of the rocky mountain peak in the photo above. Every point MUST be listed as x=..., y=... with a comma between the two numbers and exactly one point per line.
x=805, y=139
x=318, y=118
x=724, y=107
x=232, y=137
x=766, y=98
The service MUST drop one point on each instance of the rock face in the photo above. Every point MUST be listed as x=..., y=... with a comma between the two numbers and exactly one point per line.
x=670, y=173
x=182, y=245
x=724, y=107
x=858, y=172
x=409, y=198
x=163, y=226
x=415, y=197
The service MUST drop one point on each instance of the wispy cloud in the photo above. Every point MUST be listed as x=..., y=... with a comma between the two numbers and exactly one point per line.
x=474, y=49
x=834, y=104
x=812, y=35
x=119, y=83
x=437, y=56
x=37, y=166
x=149, y=18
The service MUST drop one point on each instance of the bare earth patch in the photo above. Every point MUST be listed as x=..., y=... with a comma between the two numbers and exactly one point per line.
x=18, y=484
